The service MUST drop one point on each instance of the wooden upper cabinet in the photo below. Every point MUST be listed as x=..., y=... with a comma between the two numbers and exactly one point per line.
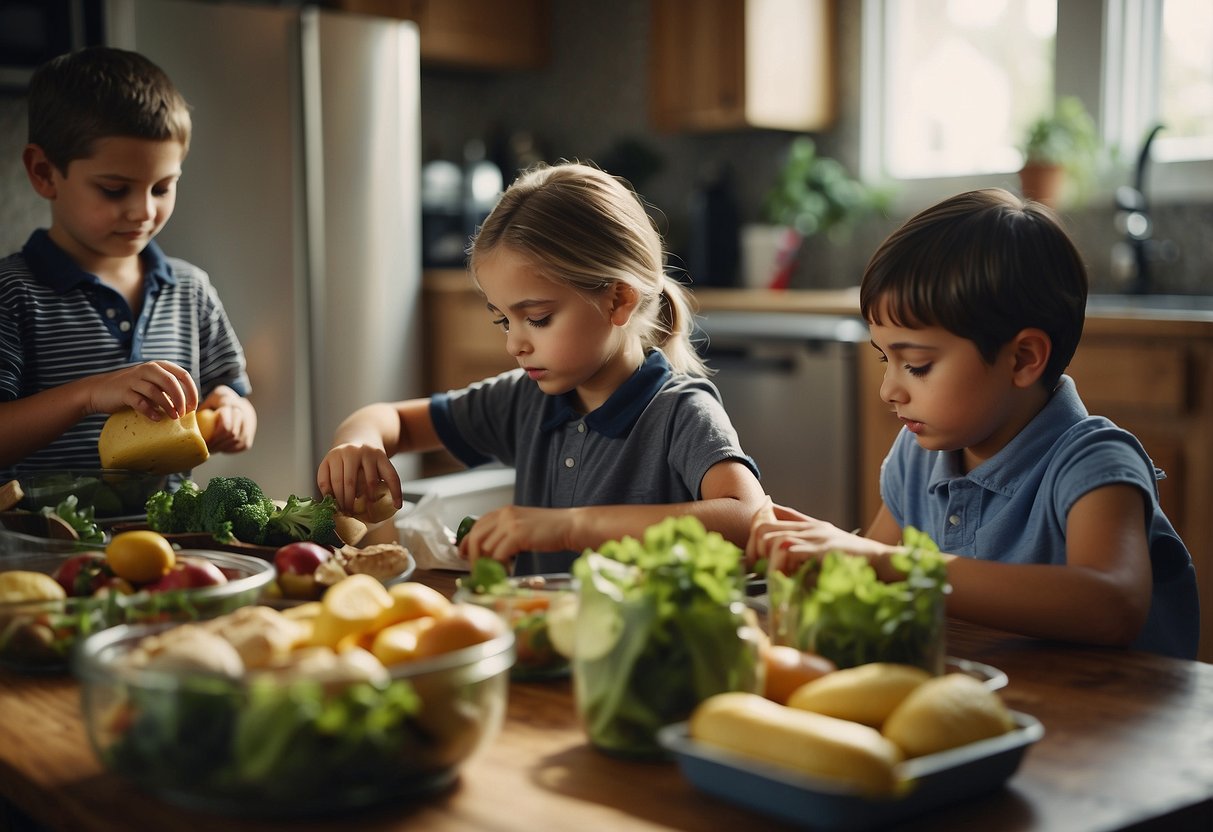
x=730, y=64
x=472, y=34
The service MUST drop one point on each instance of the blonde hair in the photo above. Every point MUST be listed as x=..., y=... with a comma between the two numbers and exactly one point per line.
x=581, y=226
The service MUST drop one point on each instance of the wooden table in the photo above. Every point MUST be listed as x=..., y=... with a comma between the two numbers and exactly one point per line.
x=1128, y=743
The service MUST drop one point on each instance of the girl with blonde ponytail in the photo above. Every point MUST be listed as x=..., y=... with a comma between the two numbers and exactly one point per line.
x=609, y=420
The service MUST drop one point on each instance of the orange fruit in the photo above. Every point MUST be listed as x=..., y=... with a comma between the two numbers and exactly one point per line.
x=412, y=600
x=140, y=556
x=349, y=606
x=463, y=626
x=788, y=668
x=398, y=643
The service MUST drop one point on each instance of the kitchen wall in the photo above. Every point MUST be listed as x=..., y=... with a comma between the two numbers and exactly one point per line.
x=590, y=102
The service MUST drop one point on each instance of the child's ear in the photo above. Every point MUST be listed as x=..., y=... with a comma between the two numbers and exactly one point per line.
x=40, y=170
x=1032, y=348
x=623, y=303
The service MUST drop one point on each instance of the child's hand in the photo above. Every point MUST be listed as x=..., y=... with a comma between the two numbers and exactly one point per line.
x=157, y=389
x=351, y=469
x=502, y=533
x=235, y=421
x=787, y=538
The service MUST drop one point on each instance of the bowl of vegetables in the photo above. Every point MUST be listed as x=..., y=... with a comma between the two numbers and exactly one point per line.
x=110, y=492
x=526, y=603
x=302, y=727
x=53, y=593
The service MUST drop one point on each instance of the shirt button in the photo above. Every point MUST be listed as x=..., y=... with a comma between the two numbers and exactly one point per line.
x=569, y=462
x=581, y=427
x=954, y=519
x=125, y=326
x=111, y=313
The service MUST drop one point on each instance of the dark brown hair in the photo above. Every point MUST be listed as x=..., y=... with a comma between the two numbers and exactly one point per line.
x=983, y=265
x=99, y=92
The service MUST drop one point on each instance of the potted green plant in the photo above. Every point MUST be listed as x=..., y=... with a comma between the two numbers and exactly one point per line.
x=1059, y=149
x=812, y=194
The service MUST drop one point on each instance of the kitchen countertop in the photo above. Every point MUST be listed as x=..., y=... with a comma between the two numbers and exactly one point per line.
x=1177, y=315
x=1128, y=743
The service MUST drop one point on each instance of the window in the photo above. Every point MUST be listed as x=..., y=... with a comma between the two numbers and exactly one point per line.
x=949, y=87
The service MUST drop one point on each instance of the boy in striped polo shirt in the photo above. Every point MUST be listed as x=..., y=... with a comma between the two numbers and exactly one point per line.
x=93, y=316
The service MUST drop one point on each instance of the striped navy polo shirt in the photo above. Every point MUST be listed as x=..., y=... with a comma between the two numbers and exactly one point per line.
x=59, y=323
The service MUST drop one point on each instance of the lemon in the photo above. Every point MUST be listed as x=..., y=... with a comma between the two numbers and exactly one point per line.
x=351, y=605
x=946, y=712
x=140, y=556
x=19, y=585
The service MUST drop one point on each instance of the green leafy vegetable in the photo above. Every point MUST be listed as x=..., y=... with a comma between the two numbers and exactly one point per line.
x=487, y=576
x=660, y=628
x=838, y=608
x=80, y=519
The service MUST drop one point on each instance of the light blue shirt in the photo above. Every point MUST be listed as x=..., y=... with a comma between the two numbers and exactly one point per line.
x=1013, y=507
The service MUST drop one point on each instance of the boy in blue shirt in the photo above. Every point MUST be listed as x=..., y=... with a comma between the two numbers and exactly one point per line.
x=93, y=316
x=1050, y=515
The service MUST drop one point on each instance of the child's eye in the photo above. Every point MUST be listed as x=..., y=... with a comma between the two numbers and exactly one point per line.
x=503, y=323
x=162, y=191
x=113, y=193
x=919, y=371
x=539, y=322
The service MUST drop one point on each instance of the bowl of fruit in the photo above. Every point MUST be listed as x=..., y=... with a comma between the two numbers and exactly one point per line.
x=527, y=603
x=53, y=593
x=367, y=696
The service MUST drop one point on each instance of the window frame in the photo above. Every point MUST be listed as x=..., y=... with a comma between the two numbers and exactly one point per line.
x=1108, y=56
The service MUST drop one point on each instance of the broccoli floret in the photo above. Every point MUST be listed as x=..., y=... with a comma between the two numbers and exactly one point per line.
x=219, y=502
x=184, y=516
x=304, y=518
x=159, y=509
x=249, y=521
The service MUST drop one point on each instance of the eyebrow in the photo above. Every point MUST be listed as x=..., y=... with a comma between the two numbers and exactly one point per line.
x=903, y=345
x=520, y=305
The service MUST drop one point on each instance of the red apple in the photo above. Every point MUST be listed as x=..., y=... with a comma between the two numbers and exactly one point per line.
x=83, y=574
x=189, y=573
x=296, y=564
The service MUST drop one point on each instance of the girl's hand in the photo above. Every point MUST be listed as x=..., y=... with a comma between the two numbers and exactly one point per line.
x=235, y=421
x=351, y=469
x=157, y=389
x=502, y=533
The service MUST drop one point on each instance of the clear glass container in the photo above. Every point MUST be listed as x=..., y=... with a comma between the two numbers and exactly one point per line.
x=525, y=604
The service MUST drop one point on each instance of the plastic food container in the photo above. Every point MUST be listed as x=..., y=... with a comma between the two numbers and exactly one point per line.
x=927, y=782
x=40, y=635
x=525, y=605
x=267, y=747
x=112, y=492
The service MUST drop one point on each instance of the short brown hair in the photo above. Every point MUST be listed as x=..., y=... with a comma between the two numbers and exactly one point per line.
x=99, y=92
x=983, y=265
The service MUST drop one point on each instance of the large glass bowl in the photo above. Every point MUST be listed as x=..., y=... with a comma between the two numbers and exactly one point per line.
x=267, y=747
x=112, y=492
x=38, y=636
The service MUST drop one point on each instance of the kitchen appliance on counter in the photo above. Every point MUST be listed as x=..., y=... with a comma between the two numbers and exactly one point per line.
x=788, y=383
x=299, y=197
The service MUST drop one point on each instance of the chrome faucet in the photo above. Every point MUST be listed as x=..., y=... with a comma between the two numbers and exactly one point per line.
x=1131, y=257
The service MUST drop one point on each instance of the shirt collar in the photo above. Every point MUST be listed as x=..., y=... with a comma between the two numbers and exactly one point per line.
x=618, y=413
x=55, y=269
x=1003, y=472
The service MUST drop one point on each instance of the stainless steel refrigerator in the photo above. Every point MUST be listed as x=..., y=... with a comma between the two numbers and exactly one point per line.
x=300, y=197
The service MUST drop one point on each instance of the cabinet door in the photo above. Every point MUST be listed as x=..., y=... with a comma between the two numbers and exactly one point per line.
x=473, y=34
x=727, y=64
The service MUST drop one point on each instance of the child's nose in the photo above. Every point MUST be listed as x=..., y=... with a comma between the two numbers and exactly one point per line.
x=516, y=341
x=890, y=389
x=141, y=207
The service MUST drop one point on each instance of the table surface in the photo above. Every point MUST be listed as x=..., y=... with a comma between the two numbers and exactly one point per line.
x=1128, y=742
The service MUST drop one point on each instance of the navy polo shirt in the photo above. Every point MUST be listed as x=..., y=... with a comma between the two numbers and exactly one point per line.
x=59, y=323
x=1013, y=506
x=652, y=441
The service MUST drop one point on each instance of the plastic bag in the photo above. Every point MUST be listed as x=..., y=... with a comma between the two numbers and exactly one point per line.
x=430, y=541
